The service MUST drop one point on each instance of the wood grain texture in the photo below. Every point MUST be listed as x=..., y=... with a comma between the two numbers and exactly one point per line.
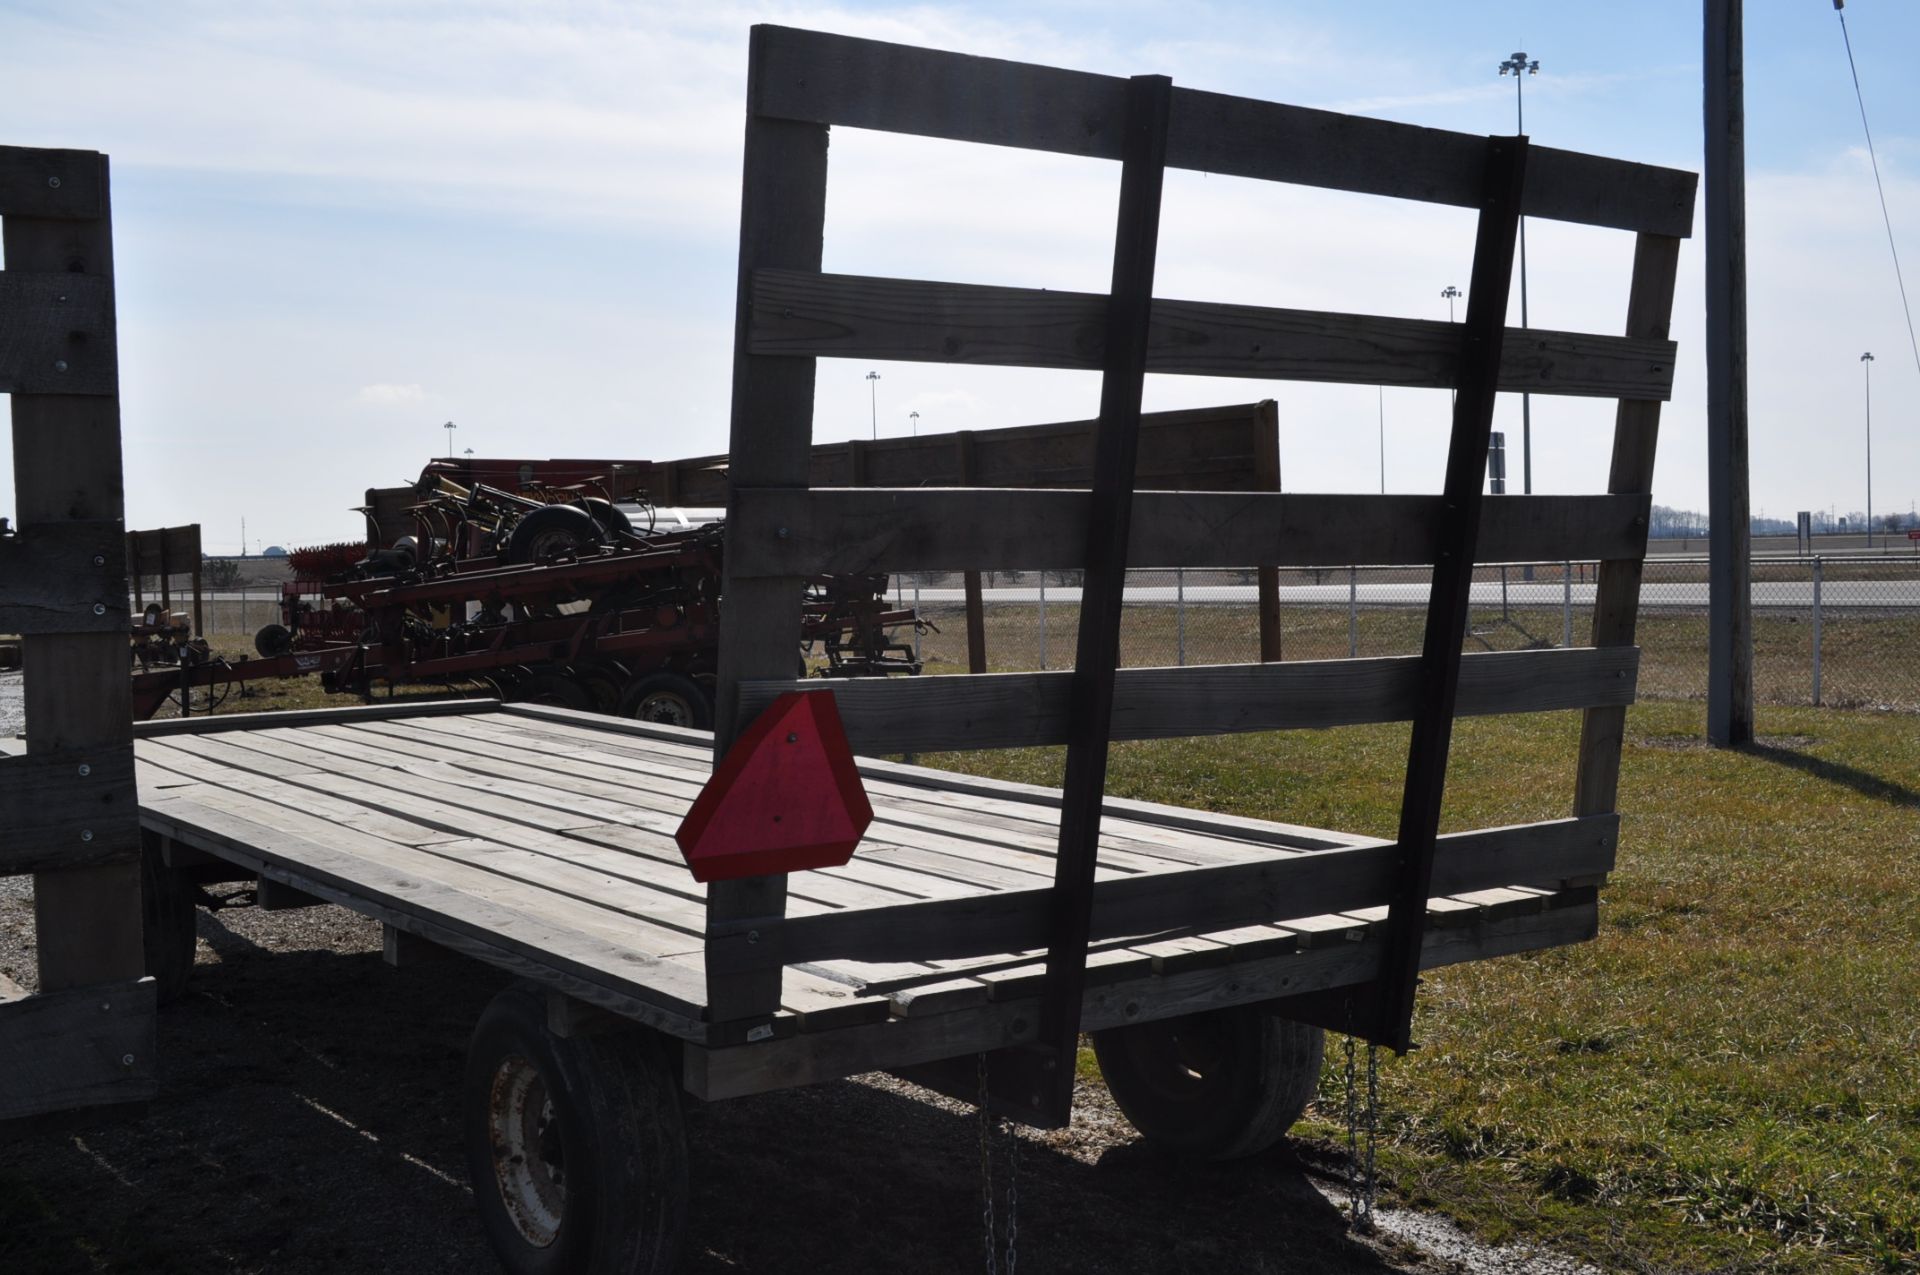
x=52, y=816
x=396, y=710
x=787, y=533
x=54, y=574
x=1636, y=435
x=783, y=205
x=54, y=184
x=1195, y=900
x=799, y=314
x=806, y=1059
x=88, y=1048
x=1023, y=710
x=67, y=468
x=56, y=334
x=833, y=79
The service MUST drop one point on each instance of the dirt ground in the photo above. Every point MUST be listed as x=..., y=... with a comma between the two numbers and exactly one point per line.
x=307, y=1123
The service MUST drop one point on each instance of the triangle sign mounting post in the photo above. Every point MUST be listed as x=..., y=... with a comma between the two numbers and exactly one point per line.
x=787, y=796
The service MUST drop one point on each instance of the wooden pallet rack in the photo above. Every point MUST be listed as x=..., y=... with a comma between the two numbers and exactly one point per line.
x=67, y=809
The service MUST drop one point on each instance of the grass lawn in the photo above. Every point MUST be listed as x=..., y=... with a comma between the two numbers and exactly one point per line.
x=1728, y=1078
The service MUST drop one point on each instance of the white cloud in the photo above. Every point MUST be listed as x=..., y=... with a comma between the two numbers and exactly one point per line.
x=390, y=395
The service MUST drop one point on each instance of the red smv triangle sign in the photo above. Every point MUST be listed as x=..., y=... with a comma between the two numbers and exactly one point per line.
x=786, y=797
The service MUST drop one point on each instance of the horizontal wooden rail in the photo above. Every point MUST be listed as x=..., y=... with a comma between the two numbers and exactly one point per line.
x=64, y=185
x=797, y=532
x=67, y=809
x=1021, y=710
x=90, y=1047
x=1192, y=900
x=839, y=80
x=57, y=334
x=856, y=317
x=53, y=576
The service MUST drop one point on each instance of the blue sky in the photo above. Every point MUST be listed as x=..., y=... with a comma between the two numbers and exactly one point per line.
x=339, y=225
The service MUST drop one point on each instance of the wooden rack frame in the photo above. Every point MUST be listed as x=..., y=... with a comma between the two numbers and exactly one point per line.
x=67, y=809
x=791, y=313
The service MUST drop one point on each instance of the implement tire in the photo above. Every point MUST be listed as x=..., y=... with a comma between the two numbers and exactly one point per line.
x=575, y=1145
x=1212, y=1086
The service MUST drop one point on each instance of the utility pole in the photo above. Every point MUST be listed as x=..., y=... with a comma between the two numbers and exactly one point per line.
x=915, y=418
x=873, y=401
x=1866, y=365
x=449, y=427
x=1729, y=575
x=1520, y=67
x=1382, y=390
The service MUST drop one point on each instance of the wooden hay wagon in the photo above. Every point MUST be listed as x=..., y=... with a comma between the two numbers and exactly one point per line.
x=983, y=926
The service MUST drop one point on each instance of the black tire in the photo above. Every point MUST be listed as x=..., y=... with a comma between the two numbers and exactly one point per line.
x=167, y=908
x=556, y=690
x=549, y=531
x=575, y=1146
x=612, y=519
x=669, y=699
x=273, y=640
x=1213, y=1086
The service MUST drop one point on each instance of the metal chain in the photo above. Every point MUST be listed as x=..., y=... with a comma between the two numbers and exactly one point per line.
x=986, y=1169
x=1362, y=1180
x=1353, y=1133
x=1013, y=1192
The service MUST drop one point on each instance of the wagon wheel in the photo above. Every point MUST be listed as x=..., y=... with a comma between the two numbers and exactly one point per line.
x=1214, y=1086
x=669, y=699
x=167, y=915
x=556, y=690
x=551, y=530
x=575, y=1145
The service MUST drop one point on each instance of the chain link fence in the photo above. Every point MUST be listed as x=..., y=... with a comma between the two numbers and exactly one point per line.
x=1837, y=631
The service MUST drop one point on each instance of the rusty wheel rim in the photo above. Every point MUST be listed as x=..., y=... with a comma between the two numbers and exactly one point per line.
x=529, y=1156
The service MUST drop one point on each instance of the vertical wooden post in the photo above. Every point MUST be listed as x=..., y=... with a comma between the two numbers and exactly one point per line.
x=1729, y=573
x=199, y=599
x=1462, y=496
x=1266, y=477
x=66, y=450
x=976, y=604
x=1115, y=461
x=1616, y=596
x=782, y=219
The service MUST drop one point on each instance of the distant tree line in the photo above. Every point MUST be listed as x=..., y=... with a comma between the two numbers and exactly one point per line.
x=1667, y=523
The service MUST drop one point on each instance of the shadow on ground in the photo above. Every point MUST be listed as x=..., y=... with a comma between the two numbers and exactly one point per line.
x=308, y=1123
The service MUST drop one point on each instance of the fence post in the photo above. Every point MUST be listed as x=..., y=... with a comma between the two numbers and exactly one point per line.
x=1566, y=604
x=1180, y=610
x=1505, y=616
x=1353, y=612
x=916, y=611
x=1043, y=620
x=1816, y=632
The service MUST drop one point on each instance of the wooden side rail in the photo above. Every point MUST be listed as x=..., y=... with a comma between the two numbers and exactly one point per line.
x=63, y=577
x=1192, y=900
x=853, y=317
x=826, y=79
x=782, y=532
x=1025, y=710
x=67, y=808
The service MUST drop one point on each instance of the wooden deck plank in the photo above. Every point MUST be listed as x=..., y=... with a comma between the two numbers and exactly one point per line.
x=1125, y=843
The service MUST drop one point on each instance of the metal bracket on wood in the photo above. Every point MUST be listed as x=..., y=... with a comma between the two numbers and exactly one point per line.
x=1391, y=1017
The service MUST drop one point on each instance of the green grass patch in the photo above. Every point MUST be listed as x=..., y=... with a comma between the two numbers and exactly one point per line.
x=1728, y=1077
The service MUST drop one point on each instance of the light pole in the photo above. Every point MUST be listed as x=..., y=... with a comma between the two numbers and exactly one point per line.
x=449, y=427
x=873, y=401
x=1382, y=391
x=1519, y=67
x=1866, y=365
x=915, y=417
x=1450, y=293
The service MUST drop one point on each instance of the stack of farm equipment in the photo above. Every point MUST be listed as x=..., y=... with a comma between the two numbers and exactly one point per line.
x=547, y=595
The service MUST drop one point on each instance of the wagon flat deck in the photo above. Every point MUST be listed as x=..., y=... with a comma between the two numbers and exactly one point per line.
x=541, y=840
